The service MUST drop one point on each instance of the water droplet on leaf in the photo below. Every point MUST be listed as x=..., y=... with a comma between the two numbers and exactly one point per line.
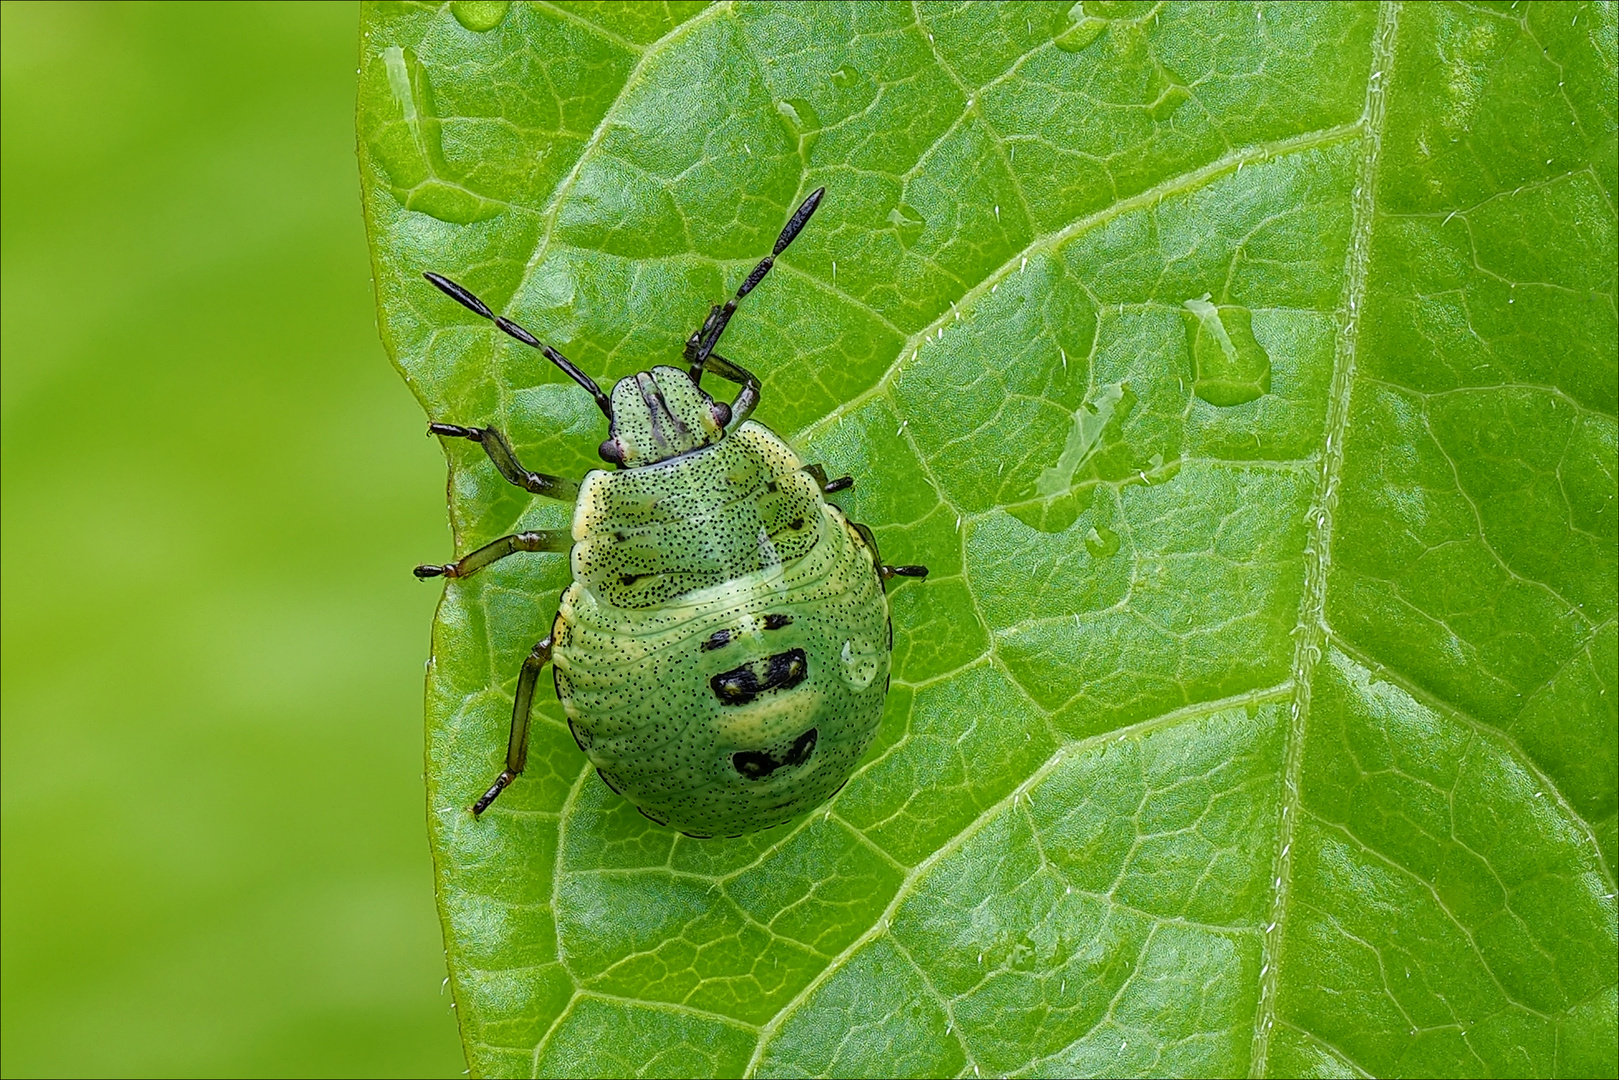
x=907, y=222
x=479, y=15
x=1101, y=542
x=1229, y=366
x=802, y=120
x=1085, y=438
x=1072, y=30
x=1172, y=98
x=409, y=151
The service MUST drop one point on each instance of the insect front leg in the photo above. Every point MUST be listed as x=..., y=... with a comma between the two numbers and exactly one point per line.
x=522, y=707
x=469, y=564
x=748, y=399
x=500, y=452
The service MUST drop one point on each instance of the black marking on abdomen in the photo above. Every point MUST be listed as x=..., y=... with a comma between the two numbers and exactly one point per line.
x=741, y=685
x=792, y=526
x=776, y=622
x=717, y=640
x=758, y=764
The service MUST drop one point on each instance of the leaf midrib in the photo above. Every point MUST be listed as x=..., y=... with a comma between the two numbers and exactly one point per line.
x=1310, y=628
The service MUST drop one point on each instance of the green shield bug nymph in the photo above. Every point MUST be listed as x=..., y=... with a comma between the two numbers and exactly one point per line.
x=722, y=654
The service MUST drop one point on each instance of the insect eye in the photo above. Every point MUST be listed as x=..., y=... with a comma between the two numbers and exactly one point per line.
x=609, y=451
x=720, y=411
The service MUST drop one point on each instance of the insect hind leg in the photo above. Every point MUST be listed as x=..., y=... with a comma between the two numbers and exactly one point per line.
x=522, y=711
x=818, y=472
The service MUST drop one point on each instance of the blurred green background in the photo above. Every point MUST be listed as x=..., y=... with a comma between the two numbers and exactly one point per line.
x=214, y=487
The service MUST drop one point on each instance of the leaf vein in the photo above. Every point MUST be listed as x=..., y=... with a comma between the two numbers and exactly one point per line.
x=1318, y=549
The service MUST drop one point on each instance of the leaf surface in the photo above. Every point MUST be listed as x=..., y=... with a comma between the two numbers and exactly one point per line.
x=1245, y=375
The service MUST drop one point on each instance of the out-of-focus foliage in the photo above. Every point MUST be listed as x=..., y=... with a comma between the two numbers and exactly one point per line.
x=213, y=492
x=1245, y=374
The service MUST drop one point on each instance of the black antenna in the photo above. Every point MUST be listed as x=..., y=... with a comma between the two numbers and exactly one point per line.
x=468, y=300
x=700, y=346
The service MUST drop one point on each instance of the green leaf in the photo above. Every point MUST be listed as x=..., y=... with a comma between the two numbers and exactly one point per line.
x=1245, y=375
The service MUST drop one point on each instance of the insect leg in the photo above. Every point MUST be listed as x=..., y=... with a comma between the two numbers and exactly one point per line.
x=903, y=571
x=500, y=452
x=885, y=571
x=700, y=346
x=471, y=563
x=818, y=472
x=748, y=399
x=522, y=706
